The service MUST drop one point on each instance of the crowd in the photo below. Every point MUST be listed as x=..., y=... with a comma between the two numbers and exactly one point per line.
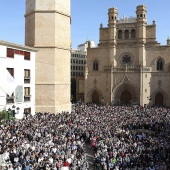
x=121, y=138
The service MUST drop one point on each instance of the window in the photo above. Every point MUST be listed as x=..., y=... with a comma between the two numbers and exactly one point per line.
x=120, y=34
x=95, y=65
x=19, y=52
x=159, y=65
x=27, y=55
x=27, y=111
x=133, y=33
x=27, y=94
x=16, y=51
x=11, y=71
x=73, y=60
x=126, y=34
x=10, y=53
x=26, y=76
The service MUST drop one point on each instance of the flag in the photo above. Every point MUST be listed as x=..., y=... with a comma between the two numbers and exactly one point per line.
x=7, y=82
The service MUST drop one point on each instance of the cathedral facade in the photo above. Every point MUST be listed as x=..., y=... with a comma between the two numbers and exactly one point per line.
x=128, y=66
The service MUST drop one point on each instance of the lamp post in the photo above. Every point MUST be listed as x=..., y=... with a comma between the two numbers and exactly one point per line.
x=9, y=111
x=13, y=110
x=149, y=98
x=102, y=100
x=18, y=109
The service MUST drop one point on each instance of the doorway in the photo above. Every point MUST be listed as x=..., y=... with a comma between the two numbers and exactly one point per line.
x=125, y=97
x=95, y=97
x=159, y=99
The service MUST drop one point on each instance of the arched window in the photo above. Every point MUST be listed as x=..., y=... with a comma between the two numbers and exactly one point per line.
x=133, y=33
x=120, y=34
x=126, y=34
x=95, y=65
x=159, y=64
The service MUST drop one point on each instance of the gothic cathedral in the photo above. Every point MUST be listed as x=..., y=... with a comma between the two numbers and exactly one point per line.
x=128, y=66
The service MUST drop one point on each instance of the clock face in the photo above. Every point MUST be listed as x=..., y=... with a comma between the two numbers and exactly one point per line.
x=126, y=59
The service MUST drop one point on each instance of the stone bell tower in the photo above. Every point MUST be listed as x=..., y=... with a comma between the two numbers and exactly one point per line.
x=141, y=41
x=141, y=33
x=112, y=21
x=47, y=28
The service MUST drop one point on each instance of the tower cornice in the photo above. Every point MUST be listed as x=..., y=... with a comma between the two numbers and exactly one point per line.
x=47, y=11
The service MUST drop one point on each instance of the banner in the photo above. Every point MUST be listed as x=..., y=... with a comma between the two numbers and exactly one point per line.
x=7, y=82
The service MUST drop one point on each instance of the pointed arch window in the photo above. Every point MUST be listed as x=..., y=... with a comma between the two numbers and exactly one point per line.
x=120, y=34
x=159, y=64
x=133, y=33
x=126, y=34
x=95, y=65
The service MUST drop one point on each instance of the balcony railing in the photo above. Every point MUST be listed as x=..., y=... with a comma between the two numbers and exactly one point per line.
x=27, y=98
x=10, y=99
x=127, y=69
x=27, y=80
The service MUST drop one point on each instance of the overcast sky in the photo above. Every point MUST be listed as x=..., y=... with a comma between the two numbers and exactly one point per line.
x=86, y=18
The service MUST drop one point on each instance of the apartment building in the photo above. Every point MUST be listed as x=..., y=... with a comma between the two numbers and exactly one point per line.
x=19, y=61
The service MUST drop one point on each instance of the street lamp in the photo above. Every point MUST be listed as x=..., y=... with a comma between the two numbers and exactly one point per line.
x=102, y=100
x=9, y=111
x=18, y=109
x=13, y=110
x=149, y=98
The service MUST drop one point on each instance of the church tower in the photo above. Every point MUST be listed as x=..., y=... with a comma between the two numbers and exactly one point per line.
x=141, y=41
x=112, y=21
x=47, y=28
x=141, y=33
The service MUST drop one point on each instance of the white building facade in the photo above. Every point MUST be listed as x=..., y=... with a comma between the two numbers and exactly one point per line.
x=20, y=62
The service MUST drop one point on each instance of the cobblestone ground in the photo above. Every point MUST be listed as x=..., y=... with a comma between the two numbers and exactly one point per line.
x=90, y=155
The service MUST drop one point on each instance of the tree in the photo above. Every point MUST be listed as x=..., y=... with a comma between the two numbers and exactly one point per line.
x=3, y=116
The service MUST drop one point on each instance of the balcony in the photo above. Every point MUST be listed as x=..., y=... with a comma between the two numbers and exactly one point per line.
x=10, y=99
x=127, y=69
x=27, y=98
x=27, y=80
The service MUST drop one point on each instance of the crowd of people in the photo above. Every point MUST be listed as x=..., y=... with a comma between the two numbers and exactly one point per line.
x=120, y=137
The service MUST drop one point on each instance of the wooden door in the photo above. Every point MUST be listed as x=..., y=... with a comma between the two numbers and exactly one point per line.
x=95, y=97
x=125, y=97
x=159, y=99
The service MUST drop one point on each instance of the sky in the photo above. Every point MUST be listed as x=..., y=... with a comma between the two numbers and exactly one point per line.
x=87, y=15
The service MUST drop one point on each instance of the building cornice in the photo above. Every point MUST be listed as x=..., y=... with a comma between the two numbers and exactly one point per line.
x=13, y=45
x=52, y=46
x=47, y=11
